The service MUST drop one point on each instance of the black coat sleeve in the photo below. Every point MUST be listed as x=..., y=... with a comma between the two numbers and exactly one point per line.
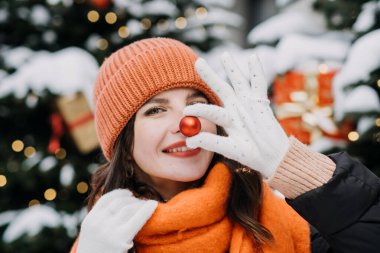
x=345, y=211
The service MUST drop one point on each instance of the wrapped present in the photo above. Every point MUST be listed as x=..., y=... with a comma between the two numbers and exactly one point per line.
x=79, y=120
x=304, y=105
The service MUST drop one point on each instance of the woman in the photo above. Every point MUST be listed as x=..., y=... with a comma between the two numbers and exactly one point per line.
x=163, y=192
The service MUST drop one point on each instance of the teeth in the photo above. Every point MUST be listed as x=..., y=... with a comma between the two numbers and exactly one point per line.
x=179, y=149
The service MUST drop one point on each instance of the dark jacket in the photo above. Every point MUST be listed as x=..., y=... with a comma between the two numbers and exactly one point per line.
x=345, y=212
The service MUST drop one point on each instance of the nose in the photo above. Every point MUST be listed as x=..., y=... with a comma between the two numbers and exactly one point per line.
x=174, y=122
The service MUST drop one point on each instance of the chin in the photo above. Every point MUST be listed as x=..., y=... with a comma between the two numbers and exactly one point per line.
x=191, y=176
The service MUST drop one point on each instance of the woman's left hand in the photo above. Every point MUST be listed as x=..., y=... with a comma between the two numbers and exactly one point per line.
x=255, y=138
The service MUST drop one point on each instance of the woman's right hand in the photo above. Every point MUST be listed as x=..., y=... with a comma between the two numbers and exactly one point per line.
x=254, y=136
x=113, y=222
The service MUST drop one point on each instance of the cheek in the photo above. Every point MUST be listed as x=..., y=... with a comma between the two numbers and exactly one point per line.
x=208, y=126
x=145, y=139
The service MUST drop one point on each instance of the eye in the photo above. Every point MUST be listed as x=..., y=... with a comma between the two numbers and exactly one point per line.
x=154, y=110
x=200, y=101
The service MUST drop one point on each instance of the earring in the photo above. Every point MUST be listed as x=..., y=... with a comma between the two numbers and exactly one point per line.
x=131, y=171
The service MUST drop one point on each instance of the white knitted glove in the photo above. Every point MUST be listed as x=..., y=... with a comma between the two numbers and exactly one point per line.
x=113, y=222
x=255, y=138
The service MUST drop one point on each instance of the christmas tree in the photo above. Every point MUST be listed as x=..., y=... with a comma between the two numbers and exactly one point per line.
x=49, y=57
x=322, y=58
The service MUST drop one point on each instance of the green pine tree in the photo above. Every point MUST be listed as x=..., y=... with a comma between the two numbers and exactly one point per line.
x=342, y=15
x=31, y=174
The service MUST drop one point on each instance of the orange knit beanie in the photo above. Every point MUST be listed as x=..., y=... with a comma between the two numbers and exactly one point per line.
x=134, y=74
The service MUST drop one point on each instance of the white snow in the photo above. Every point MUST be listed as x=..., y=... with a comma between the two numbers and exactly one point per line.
x=92, y=42
x=295, y=49
x=29, y=163
x=53, y=2
x=48, y=163
x=282, y=3
x=132, y=6
x=323, y=143
x=23, y=12
x=7, y=216
x=195, y=34
x=361, y=99
x=4, y=15
x=49, y=36
x=17, y=56
x=366, y=18
x=160, y=7
x=66, y=174
x=70, y=222
x=64, y=72
x=364, y=124
x=31, y=221
x=134, y=27
x=266, y=54
x=296, y=18
x=224, y=3
x=217, y=16
x=363, y=57
x=39, y=15
x=140, y=9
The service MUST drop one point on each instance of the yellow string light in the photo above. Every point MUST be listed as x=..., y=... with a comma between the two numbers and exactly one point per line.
x=201, y=12
x=353, y=136
x=50, y=194
x=93, y=16
x=123, y=32
x=189, y=12
x=33, y=202
x=60, y=153
x=17, y=146
x=111, y=18
x=3, y=180
x=102, y=44
x=378, y=83
x=162, y=24
x=181, y=22
x=323, y=68
x=377, y=122
x=146, y=23
x=29, y=152
x=82, y=187
x=377, y=136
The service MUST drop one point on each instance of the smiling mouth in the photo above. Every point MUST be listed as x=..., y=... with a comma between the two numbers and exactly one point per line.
x=182, y=152
x=179, y=149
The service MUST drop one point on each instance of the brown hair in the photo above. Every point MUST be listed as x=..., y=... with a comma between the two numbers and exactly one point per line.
x=122, y=172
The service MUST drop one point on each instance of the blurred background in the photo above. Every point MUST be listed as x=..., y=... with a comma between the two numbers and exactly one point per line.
x=321, y=59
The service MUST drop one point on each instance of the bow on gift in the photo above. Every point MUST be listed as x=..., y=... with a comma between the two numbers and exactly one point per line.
x=307, y=98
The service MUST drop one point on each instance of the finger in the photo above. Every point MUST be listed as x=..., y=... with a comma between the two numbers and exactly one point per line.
x=112, y=196
x=213, y=113
x=217, y=84
x=138, y=219
x=212, y=142
x=238, y=81
x=258, y=82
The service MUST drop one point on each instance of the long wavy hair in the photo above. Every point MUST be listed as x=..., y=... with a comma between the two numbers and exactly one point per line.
x=245, y=195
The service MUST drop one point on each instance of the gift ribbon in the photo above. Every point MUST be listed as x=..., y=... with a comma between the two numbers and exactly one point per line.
x=56, y=123
x=312, y=118
x=316, y=117
x=80, y=121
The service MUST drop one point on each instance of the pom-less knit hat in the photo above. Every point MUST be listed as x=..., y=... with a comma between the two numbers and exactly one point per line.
x=134, y=74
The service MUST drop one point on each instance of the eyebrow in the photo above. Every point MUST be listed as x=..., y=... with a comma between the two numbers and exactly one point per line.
x=196, y=94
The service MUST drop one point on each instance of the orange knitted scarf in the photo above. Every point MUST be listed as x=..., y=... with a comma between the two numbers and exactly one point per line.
x=195, y=221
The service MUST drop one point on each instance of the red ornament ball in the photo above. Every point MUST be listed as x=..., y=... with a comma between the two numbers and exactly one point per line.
x=100, y=4
x=190, y=126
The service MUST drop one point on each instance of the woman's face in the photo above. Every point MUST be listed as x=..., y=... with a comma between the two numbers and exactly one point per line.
x=159, y=147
